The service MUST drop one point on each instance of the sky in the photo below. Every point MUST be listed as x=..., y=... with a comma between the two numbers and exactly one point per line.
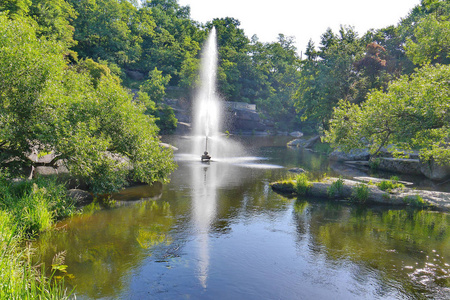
x=301, y=19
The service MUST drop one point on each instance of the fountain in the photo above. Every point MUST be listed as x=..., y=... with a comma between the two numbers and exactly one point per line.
x=207, y=105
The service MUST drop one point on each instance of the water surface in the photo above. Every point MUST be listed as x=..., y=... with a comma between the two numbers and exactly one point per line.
x=217, y=231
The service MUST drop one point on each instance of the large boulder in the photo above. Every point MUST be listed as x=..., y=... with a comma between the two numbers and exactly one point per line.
x=353, y=155
x=301, y=143
x=398, y=165
x=434, y=171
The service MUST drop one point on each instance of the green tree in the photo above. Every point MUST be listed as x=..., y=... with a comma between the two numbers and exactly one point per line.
x=432, y=42
x=413, y=114
x=98, y=133
x=326, y=81
x=155, y=86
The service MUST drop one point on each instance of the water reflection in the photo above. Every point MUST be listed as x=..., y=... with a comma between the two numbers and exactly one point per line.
x=217, y=231
x=204, y=197
x=408, y=249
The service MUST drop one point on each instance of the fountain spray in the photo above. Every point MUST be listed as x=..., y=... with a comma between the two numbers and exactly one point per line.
x=207, y=106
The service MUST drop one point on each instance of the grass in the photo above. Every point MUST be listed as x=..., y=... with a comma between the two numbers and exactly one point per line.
x=389, y=185
x=27, y=208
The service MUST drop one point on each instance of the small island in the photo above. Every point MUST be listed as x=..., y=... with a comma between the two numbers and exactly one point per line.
x=363, y=191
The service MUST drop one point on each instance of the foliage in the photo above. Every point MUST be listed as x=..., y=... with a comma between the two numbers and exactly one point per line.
x=361, y=193
x=432, y=42
x=155, y=86
x=324, y=82
x=26, y=208
x=34, y=205
x=413, y=114
x=388, y=185
x=415, y=201
x=97, y=131
x=335, y=189
x=302, y=184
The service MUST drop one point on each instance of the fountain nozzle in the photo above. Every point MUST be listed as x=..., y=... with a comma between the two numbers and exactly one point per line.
x=206, y=156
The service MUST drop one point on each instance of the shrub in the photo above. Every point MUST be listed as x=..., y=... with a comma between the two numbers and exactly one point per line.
x=335, y=189
x=302, y=184
x=415, y=201
x=388, y=185
x=361, y=193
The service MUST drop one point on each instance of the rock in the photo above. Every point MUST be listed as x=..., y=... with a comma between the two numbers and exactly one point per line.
x=297, y=170
x=359, y=163
x=353, y=155
x=296, y=143
x=183, y=128
x=283, y=188
x=398, y=165
x=304, y=143
x=399, y=197
x=434, y=171
x=165, y=145
x=80, y=197
x=296, y=134
x=378, y=180
x=136, y=75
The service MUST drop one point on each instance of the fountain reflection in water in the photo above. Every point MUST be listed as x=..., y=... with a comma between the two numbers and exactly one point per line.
x=206, y=136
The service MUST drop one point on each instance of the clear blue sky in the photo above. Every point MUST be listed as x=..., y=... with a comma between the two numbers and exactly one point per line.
x=301, y=19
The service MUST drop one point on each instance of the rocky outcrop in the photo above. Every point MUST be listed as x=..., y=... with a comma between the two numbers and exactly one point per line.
x=434, y=171
x=353, y=155
x=302, y=143
x=348, y=191
x=245, y=120
x=411, y=166
x=398, y=165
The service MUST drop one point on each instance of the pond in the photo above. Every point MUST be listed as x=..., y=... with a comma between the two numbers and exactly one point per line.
x=218, y=231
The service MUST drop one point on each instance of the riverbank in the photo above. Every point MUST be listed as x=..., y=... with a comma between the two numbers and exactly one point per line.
x=384, y=192
x=26, y=209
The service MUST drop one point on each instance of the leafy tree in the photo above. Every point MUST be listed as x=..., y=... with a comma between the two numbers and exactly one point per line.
x=324, y=82
x=98, y=133
x=432, y=42
x=15, y=8
x=413, y=114
x=151, y=94
x=155, y=86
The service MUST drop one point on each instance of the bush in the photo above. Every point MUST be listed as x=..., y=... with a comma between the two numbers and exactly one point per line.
x=335, y=188
x=389, y=185
x=302, y=184
x=361, y=193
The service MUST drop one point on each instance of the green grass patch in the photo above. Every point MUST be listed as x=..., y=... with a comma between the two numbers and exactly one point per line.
x=389, y=185
x=26, y=208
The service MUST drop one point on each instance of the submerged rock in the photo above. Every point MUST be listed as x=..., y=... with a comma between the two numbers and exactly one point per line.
x=297, y=170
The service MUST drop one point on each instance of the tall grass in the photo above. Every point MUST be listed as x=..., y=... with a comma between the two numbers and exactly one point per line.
x=27, y=208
